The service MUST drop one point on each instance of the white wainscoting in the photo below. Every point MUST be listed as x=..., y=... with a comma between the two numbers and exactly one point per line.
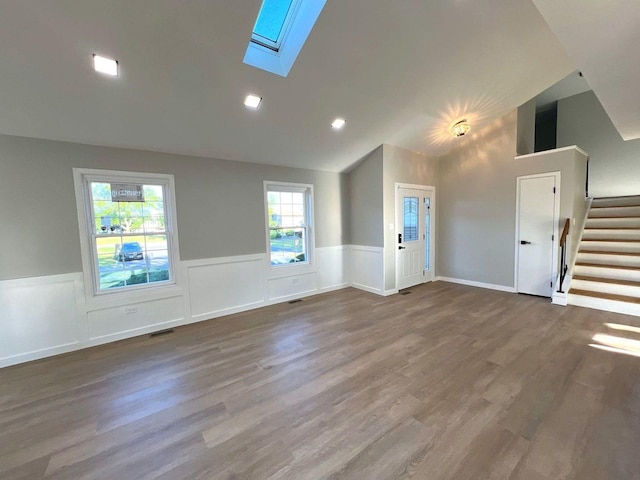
x=222, y=286
x=334, y=270
x=40, y=316
x=44, y=316
x=367, y=268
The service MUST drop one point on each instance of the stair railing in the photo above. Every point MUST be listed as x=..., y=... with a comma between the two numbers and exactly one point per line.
x=563, y=255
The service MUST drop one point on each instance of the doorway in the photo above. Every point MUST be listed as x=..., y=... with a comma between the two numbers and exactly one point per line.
x=538, y=210
x=415, y=220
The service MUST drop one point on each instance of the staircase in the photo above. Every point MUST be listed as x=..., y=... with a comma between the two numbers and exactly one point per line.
x=607, y=270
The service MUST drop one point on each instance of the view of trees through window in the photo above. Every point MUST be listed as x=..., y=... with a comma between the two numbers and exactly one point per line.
x=129, y=238
x=287, y=226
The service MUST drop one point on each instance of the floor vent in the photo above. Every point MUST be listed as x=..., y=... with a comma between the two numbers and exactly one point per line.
x=161, y=332
x=296, y=301
x=404, y=292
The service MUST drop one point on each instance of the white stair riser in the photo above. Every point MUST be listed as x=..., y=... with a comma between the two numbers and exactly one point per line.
x=614, y=212
x=623, y=260
x=611, y=246
x=611, y=234
x=615, y=202
x=611, y=273
x=606, y=288
x=613, y=222
x=602, y=304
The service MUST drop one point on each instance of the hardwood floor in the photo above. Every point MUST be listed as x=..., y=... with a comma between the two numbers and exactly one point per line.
x=448, y=382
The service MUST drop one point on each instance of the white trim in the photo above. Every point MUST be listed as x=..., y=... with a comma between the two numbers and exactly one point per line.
x=309, y=266
x=222, y=260
x=471, y=283
x=575, y=248
x=555, y=150
x=40, y=280
x=133, y=332
x=99, y=299
x=38, y=354
x=367, y=248
x=556, y=220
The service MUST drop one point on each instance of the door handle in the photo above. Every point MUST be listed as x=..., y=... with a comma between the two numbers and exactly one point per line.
x=400, y=247
x=524, y=242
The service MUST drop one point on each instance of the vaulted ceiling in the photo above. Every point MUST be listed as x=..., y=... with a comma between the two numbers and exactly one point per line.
x=399, y=72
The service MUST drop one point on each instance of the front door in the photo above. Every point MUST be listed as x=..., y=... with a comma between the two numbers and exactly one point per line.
x=414, y=221
x=536, y=234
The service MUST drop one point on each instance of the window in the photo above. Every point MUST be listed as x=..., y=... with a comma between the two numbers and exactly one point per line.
x=128, y=229
x=280, y=31
x=289, y=217
x=270, y=27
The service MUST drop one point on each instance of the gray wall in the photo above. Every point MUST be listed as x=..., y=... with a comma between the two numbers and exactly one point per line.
x=220, y=204
x=614, y=165
x=366, y=201
x=526, y=128
x=402, y=166
x=572, y=166
x=476, y=206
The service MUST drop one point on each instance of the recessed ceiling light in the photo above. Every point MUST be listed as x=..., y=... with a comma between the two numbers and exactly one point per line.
x=105, y=65
x=338, y=123
x=252, y=101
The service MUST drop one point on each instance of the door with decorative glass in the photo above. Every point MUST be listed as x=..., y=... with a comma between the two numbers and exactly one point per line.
x=414, y=234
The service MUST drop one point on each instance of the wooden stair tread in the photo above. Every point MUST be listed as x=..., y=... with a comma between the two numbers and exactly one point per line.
x=598, y=252
x=604, y=265
x=605, y=296
x=626, y=283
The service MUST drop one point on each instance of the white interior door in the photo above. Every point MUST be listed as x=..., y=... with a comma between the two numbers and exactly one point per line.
x=414, y=235
x=537, y=220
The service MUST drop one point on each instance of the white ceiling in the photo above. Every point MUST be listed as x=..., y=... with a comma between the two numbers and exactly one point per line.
x=400, y=72
x=602, y=37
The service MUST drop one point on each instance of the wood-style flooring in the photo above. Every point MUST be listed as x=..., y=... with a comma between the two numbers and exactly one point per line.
x=448, y=382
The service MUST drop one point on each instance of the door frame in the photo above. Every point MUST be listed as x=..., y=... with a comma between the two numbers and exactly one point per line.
x=556, y=220
x=431, y=193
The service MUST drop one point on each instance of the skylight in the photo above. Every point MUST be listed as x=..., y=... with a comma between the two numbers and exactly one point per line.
x=272, y=19
x=280, y=31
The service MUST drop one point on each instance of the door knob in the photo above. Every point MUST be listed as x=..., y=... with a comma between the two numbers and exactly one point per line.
x=400, y=247
x=524, y=242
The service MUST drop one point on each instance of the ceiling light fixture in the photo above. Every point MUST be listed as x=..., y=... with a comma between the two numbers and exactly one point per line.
x=252, y=101
x=461, y=128
x=105, y=65
x=338, y=123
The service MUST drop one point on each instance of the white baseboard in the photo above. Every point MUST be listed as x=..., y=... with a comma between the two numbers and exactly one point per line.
x=471, y=283
x=623, y=308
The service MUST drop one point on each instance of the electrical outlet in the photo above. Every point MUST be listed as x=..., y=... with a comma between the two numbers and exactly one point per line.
x=130, y=310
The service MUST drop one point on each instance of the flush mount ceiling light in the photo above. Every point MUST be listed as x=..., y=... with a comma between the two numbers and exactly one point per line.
x=105, y=65
x=338, y=123
x=252, y=101
x=461, y=128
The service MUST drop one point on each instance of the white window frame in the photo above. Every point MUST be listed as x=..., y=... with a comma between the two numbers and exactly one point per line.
x=298, y=267
x=284, y=31
x=82, y=179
